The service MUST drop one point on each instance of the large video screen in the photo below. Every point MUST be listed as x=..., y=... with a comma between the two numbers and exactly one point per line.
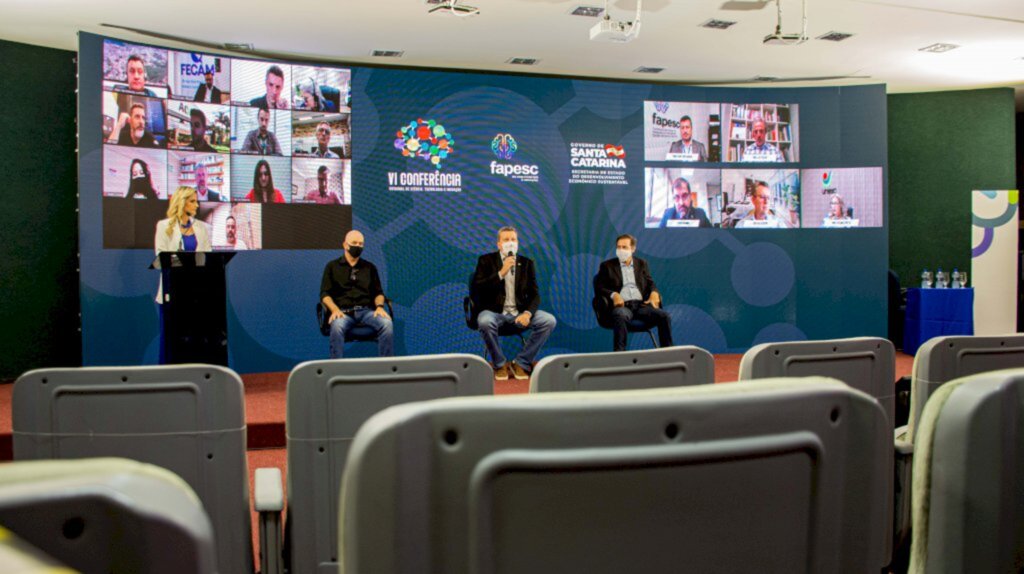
x=252, y=138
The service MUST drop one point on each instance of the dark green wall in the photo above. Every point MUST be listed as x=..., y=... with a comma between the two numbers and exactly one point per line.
x=942, y=146
x=39, y=243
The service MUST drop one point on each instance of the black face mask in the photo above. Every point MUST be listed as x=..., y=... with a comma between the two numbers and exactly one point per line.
x=355, y=251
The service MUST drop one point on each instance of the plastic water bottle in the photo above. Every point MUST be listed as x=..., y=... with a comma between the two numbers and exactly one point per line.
x=926, y=279
x=956, y=279
x=940, y=279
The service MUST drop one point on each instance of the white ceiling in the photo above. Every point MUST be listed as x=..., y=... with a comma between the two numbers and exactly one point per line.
x=887, y=36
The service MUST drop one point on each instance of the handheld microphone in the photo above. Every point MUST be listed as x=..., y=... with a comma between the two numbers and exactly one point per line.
x=513, y=270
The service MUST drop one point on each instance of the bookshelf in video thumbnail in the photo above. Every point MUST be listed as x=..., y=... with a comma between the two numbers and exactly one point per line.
x=779, y=123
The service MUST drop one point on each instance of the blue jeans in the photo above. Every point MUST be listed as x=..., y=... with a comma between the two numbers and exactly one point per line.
x=541, y=325
x=381, y=326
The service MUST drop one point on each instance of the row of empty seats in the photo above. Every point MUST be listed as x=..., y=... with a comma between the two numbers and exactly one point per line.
x=784, y=473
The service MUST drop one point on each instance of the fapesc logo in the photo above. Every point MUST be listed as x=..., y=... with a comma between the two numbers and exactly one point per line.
x=508, y=169
x=504, y=146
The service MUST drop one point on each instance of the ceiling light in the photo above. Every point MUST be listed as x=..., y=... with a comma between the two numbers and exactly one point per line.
x=587, y=11
x=835, y=36
x=938, y=48
x=453, y=7
x=648, y=70
x=523, y=61
x=238, y=47
x=717, y=24
x=387, y=53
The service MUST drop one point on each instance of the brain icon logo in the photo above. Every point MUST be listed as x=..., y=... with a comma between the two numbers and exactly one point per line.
x=425, y=139
x=504, y=146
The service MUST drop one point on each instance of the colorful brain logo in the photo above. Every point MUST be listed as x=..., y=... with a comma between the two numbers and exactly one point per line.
x=425, y=139
x=504, y=146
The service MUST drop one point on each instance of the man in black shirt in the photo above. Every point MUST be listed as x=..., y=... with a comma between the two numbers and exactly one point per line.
x=351, y=292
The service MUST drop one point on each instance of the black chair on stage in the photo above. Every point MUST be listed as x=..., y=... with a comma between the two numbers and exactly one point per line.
x=603, y=311
x=361, y=333
x=469, y=307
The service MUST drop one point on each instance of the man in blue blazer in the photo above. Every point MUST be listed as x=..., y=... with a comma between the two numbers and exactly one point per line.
x=628, y=290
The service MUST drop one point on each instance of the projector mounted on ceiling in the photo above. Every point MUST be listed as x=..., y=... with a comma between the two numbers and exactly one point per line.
x=778, y=38
x=616, y=31
x=453, y=7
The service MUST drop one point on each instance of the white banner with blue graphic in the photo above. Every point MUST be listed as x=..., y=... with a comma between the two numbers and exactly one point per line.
x=994, y=261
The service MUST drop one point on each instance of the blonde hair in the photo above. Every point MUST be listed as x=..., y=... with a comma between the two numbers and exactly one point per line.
x=176, y=209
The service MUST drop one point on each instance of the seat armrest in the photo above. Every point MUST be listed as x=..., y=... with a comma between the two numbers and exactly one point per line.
x=268, y=502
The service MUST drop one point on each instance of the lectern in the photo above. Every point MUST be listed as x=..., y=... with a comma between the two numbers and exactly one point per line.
x=195, y=326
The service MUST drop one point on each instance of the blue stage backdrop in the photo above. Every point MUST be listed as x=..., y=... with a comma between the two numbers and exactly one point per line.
x=570, y=163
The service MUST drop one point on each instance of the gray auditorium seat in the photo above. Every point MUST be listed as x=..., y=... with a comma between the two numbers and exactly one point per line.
x=327, y=403
x=106, y=516
x=656, y=368
x=189, y=419
x=867, y=364
x=939, y=360
x=968, y=499
x=774, y=476
x=943, y=359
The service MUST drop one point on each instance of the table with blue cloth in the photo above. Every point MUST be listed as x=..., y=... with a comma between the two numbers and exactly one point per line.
x=936, y=312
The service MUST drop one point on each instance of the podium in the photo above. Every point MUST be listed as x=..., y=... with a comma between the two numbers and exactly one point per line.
x=195, y=326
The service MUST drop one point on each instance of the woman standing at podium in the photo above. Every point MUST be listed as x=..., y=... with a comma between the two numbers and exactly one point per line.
x=181, y=231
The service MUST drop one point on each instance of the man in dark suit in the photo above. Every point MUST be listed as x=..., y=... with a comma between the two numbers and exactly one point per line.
x=207, y=92
x=688, y=148
x=626, y=282
x=683, y=209
x=505, y=293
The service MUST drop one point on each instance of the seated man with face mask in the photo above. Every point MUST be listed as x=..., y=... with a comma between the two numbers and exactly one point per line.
x=626, y=281
x=505, y=291
x=352, y=293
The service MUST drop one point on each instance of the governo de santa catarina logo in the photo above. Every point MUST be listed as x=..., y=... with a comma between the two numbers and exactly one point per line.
x=504, y=146
x=425, y=139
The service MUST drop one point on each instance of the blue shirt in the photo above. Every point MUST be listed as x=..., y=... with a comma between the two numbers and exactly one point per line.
x=189, y=242
x=629, y=292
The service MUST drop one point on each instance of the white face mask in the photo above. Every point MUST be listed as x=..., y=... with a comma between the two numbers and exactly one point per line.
x=623, y=255
x=512, y=246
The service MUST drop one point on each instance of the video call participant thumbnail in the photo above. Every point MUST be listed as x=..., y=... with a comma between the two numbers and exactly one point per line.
x=135, y=71
x=683, y=210
x=261, y=140
x=263, y=190
x=141, y=183
x=686, y=148
x=274, y=96
x=761, y=150
x=207, y=92
x=762, y=216
x=197, y=123
x=132, y=130
x=322, y=194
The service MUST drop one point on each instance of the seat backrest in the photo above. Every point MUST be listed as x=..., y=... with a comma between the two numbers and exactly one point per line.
x=655, y=368
x=107, y=516
x=968, y=500
x=189, y=419
x=867, y=364
x=787, y=475
x=943, y=359
x=327, y=403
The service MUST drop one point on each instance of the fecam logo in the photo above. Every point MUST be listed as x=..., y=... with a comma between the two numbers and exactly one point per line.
x=504, y=146
x=826, y=179
x=425, y=139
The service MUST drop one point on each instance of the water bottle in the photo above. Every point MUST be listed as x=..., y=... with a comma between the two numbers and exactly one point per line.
x=956, y=279
x=940, y=279
x=926, y=279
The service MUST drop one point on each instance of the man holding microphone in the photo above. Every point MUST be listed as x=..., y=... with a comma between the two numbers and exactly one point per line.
x=505, y=293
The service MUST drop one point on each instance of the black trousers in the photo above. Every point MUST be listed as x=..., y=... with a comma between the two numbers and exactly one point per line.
x=649, y=316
